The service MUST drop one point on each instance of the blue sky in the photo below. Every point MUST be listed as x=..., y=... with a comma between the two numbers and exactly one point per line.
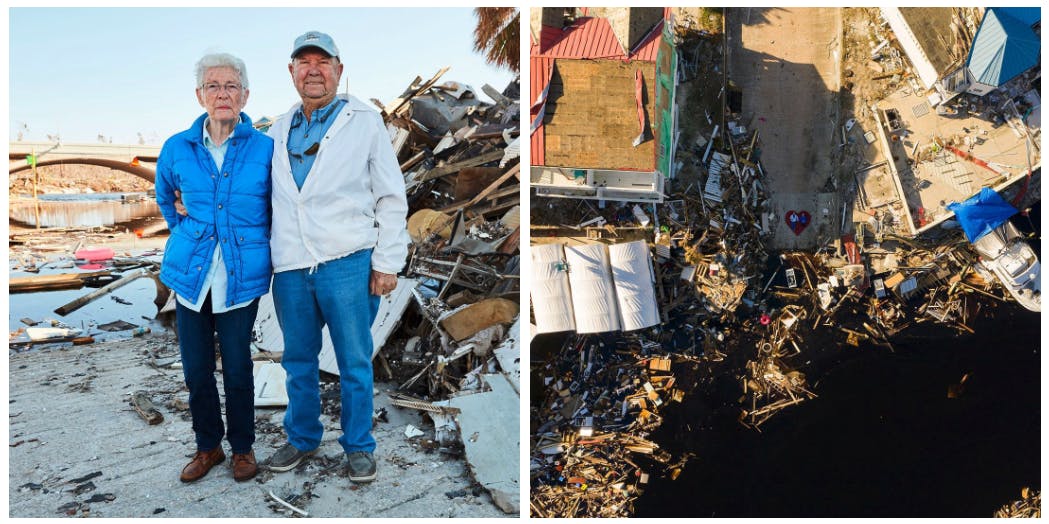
x=81, y=72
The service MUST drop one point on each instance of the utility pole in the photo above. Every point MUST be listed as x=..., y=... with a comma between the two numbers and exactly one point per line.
x=36, y=177
x=36, y=181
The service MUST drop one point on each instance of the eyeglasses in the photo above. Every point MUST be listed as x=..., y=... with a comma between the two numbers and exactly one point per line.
x=213, y=89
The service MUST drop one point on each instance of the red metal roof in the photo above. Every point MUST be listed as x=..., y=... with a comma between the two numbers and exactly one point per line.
x=587, y=39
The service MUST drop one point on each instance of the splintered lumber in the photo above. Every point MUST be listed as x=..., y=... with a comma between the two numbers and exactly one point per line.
x=513, y=190
x=513, y=171
x=401, y=104
x=90, y=297
x=52, y=282
x=448, y=169
x=145, y=408
x=473, y=180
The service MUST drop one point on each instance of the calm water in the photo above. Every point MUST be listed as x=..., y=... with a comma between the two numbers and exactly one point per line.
x=102, y=209
x=40, y=306
x=96, y=210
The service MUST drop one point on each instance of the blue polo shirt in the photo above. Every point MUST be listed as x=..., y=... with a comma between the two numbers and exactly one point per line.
x=304, y=134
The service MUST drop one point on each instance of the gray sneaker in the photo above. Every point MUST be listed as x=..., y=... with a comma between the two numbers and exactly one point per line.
x=285, y=458
x=362, y=466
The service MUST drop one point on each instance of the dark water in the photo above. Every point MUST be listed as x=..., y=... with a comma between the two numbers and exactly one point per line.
x=881, y=440
x=84, y=210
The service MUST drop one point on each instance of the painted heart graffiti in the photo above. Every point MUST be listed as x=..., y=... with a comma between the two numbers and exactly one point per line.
x=797, y=221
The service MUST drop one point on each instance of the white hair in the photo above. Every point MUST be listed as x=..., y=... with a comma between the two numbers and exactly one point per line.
x=222, y=60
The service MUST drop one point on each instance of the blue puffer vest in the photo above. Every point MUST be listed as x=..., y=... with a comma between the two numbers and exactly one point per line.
x=228, y=207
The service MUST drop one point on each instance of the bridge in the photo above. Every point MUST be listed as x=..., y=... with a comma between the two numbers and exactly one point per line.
x=127, y=158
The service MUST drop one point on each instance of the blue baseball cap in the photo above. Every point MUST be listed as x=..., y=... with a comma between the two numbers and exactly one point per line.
x=315, y=39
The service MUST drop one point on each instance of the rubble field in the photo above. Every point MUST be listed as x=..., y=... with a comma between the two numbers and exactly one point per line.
x=446, y=350
x=755, y=307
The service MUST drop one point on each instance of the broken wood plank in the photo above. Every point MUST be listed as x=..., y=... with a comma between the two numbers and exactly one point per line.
x=448, y=169
x=465, y=323
x=90, y=297
x=473, y=181
x=415, y=159
x=513, y=171
x=507, y=191
x=51, y=282
x=400, y=104
x=145, y=408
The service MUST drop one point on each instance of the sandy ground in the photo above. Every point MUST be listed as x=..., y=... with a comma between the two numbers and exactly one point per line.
x=70, y=418
x=786, y=61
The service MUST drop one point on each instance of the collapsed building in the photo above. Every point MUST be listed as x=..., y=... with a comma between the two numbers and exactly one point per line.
x=883, y=261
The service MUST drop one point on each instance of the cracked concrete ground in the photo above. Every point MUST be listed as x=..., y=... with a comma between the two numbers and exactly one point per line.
x=78, y=448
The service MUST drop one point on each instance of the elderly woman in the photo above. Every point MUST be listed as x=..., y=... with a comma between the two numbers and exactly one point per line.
x=217, y=259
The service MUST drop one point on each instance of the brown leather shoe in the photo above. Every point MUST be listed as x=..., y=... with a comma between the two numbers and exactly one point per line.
x=244, y=466
x=201, y=464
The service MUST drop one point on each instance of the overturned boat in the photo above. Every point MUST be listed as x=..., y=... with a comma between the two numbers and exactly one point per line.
x=1003, y=250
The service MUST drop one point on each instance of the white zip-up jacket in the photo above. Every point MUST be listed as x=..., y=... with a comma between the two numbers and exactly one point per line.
x=353, y=197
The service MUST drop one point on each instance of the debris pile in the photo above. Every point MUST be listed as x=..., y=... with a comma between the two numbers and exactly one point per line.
x=723, y=237
x=770, y=383
x=462, y=170
x=459, y=347
x=444, y=130
x=1029, y=506
x=590, y=451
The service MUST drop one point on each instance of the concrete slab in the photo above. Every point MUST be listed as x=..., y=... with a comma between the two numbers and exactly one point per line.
x=787, y=63
x=823, y=227
x=488, y=424
x=931, y=177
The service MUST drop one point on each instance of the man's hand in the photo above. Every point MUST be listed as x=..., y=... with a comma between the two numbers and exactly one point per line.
x=382, y=283
x=179, y=208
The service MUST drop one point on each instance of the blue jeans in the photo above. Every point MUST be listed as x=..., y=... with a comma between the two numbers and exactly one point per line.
x=196, y=334
x=335, y=294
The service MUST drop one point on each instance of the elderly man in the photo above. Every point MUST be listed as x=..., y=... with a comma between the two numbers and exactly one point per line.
x=338, y=240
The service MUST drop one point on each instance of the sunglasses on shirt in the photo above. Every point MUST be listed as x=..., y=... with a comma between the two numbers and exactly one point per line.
x=310, y=151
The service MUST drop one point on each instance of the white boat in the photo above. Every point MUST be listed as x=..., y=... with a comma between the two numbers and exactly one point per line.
x=1004, y=253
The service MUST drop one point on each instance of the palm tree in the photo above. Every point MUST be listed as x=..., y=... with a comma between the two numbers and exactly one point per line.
x=498, y=36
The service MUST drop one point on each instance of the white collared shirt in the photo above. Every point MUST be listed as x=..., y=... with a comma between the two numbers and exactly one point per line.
x=352, y=199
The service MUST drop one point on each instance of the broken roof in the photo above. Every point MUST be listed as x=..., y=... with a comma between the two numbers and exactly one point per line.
x=588, y=38
x=932, y=29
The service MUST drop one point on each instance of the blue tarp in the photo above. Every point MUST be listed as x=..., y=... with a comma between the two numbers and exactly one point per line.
x=982, y=213
x=1003, y=48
